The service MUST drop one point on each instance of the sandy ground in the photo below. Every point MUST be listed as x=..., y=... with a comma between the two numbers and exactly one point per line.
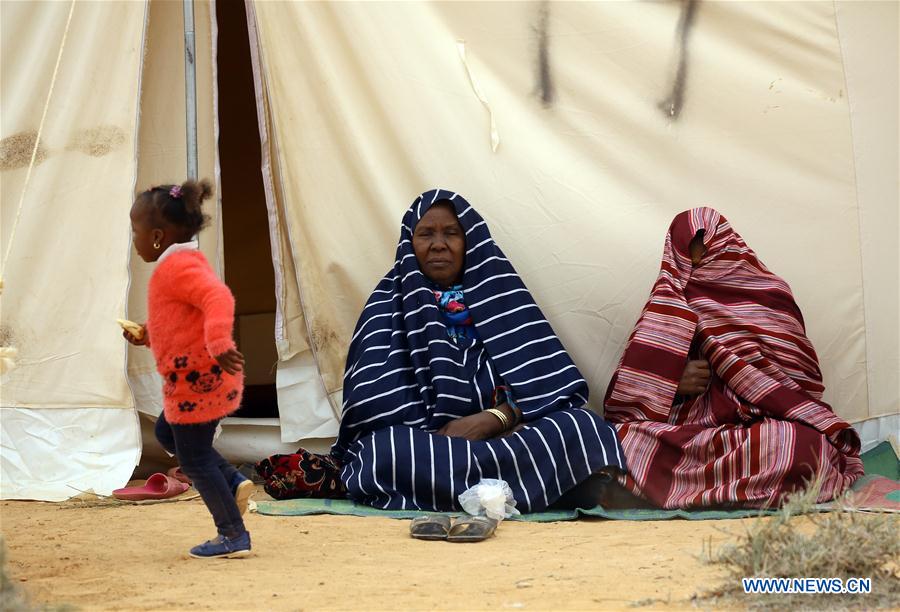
x=135, y=557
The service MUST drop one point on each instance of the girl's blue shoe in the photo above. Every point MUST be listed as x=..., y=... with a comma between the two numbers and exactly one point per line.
x=221, y=546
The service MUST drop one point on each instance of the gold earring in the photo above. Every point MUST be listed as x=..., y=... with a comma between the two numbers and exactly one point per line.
x=156, y=245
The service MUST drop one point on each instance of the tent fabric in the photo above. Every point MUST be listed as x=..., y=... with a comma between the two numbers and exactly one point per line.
x=372, y=102
x=67, y=417
x=71, y=244
x=868, y=30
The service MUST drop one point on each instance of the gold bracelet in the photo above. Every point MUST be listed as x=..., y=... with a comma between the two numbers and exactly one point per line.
x=499, y=414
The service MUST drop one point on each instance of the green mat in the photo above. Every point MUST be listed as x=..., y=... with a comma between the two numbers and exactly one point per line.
x=881, y=461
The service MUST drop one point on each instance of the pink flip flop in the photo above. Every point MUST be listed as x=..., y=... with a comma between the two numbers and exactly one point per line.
x=177, y=474
x=158, y=486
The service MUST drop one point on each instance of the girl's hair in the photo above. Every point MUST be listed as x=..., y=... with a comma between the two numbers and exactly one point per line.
x=180, y=205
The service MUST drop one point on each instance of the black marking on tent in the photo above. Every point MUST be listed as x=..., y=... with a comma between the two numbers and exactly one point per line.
x=674, y=103
x=544, y=84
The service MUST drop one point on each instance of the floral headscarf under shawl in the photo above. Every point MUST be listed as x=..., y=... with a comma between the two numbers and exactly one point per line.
x=455, y=314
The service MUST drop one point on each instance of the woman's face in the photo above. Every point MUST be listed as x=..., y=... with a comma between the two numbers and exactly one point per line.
x=697, y=248
x=440, y=245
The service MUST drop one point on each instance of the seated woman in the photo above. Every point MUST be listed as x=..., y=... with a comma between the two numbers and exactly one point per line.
x=718, y=396
x=454, y=375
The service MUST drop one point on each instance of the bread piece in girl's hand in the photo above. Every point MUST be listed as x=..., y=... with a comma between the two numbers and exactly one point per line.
x=132, y=328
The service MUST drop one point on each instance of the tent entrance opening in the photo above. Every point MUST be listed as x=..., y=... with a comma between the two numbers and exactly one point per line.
x=248, y=252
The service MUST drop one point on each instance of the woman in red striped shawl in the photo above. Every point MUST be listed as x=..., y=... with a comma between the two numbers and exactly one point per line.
x=718, y=396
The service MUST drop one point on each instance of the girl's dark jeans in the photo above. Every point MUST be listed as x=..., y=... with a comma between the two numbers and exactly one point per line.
x=213, y=477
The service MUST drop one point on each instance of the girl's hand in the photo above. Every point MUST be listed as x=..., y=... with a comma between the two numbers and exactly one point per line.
x=231, y=361
x=695, y=378
x=479, y=426
x=134, y=340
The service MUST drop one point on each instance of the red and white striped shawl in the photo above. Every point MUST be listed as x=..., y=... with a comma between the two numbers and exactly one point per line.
x=755, y=422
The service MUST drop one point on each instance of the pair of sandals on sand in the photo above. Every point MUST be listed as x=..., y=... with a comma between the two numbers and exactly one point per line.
x=443, y=527
x=159, y=486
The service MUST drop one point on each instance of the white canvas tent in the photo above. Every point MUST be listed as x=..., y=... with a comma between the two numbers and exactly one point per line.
x=577, y=129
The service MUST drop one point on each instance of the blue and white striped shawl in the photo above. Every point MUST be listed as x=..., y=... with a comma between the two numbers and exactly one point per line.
x=403, y=370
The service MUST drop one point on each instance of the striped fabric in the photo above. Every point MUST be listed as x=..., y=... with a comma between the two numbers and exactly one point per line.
x=405, y=379
x=761, y=428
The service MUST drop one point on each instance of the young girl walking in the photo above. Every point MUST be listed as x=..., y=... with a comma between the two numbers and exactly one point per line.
x=189, y=330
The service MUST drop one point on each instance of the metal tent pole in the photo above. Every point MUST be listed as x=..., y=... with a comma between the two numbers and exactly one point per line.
x=190, y=89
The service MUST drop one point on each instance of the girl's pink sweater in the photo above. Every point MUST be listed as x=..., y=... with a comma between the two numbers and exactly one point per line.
x=191, y=316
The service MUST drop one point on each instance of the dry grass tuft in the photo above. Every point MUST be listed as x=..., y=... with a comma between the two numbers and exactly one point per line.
x=800, y=542
x=89, y=499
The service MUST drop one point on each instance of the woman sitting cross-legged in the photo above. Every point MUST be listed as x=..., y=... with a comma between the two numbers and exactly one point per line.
x=718, y=396
x=454, y=375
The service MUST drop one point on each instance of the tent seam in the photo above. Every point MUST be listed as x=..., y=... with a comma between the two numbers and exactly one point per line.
x=271, y=204
x=859, y=214
x=139, y=442
x=217, y=169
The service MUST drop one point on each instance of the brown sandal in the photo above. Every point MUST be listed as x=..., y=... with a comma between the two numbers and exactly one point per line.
x=430, y=527
x=472, y=529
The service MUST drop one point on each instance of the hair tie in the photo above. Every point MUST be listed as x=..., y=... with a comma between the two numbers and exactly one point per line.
x=175, y=191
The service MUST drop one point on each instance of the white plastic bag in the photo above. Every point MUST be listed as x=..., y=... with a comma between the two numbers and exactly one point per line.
x=490, y=497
